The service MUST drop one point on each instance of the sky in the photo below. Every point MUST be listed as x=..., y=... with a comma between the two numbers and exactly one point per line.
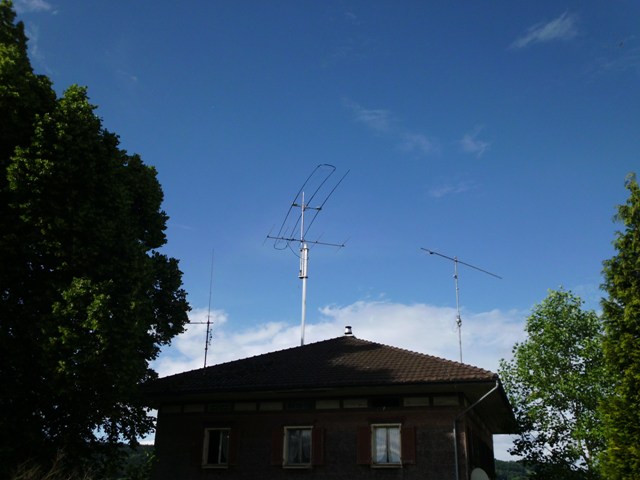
x=498, y=133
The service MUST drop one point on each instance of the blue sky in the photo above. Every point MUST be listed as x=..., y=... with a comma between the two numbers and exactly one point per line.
x=498, y=132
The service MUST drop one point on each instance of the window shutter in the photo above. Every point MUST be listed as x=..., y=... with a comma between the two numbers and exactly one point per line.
x=408, y=447
x=277, y=446
x=317, y=445
x=364, y=446
x=234, y=446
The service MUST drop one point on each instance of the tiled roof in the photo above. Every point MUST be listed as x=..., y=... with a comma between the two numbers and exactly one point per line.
x=338, y=362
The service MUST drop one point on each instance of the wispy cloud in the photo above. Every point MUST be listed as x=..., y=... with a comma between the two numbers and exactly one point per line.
x=382, y=121
x=563, y=27
x=26, y=6
x=378, y=120
x=449, y=189
x=626, y=57
x=419, y=143
x=470, y=143
x=33, y=34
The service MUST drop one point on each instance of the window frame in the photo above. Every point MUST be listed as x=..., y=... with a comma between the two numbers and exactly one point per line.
x=374, y=445
x=224, y=434
x=286, y=461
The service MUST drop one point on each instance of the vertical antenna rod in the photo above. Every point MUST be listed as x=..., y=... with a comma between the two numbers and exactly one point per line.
x=208, y=337
x=287, y=234
x=455, y=277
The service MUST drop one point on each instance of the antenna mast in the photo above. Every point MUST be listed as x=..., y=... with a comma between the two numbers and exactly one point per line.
x=207, y=341
x=455, y=277
x=314, y=183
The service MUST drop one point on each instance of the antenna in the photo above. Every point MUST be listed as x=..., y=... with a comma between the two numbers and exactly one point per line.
x=317, y=186
x=455, y=277
x=207, y=341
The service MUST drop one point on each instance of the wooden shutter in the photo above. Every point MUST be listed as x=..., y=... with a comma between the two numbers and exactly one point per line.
x=408, y=439
x=364, y=446
x=317, y=446
x=277, y=446
x=234, y=446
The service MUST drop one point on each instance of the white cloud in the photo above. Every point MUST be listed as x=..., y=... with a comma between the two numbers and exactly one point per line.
x=25, y=6
x=33, y=34
x=486, y=336
x=625, y=58
x=443, y=190
x=470, y=143
x=382, y=121
x=417, y=142
x=378, y=120
x=563, y=27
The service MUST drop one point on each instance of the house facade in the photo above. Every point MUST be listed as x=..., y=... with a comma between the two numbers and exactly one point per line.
x=343, y=408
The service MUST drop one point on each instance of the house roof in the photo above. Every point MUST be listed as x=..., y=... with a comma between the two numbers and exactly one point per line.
x=347, y=364
x=339, y=362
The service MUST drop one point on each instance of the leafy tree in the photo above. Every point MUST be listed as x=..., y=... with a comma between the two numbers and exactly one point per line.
x=86, y=298
x=511, y=470
x=554, y=382
x=621, y=312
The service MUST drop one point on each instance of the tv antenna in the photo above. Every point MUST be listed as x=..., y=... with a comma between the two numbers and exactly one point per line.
x=207, y=341
x=455, y=277
x=208, y=323
x=318, y=189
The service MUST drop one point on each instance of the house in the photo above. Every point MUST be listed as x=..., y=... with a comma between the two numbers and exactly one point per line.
x=343, y=408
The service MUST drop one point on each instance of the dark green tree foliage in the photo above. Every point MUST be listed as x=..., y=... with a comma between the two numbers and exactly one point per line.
x=555, y=382
x=86, y=299
x=621, y=312
x=511, y=471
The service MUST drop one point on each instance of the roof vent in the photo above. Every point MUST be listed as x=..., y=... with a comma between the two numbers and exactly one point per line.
x=347, y=330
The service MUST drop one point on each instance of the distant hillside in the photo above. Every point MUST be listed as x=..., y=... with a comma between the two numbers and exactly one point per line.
x=510, y=471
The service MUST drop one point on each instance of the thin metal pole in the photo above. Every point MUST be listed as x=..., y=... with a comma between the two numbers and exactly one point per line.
x=208, y=337
x=458, y=317
x=304, y=263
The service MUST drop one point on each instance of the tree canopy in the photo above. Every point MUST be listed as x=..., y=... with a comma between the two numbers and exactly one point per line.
x=555, y=382
x=86, y=297
x=621, y=312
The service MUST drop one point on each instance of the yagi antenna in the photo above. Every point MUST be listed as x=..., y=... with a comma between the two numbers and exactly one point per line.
x=455, y=277
x=312, y=196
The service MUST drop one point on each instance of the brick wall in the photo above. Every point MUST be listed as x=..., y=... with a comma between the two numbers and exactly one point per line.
x=180, y=433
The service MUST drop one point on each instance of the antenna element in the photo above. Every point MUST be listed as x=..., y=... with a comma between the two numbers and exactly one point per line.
x=455, y=277
x=207, y=341
x=316, y=184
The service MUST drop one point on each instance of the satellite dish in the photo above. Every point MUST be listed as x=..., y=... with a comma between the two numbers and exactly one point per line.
x=479, y=474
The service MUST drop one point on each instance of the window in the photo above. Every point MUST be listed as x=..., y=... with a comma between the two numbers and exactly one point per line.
x=215, y=451
x=297, y=446
x=385, y=444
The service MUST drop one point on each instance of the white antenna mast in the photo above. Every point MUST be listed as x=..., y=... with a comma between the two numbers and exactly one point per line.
x=317, y=184
x=455, y=277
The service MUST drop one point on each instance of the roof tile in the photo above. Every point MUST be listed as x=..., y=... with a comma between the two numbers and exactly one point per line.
x=338, y=362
